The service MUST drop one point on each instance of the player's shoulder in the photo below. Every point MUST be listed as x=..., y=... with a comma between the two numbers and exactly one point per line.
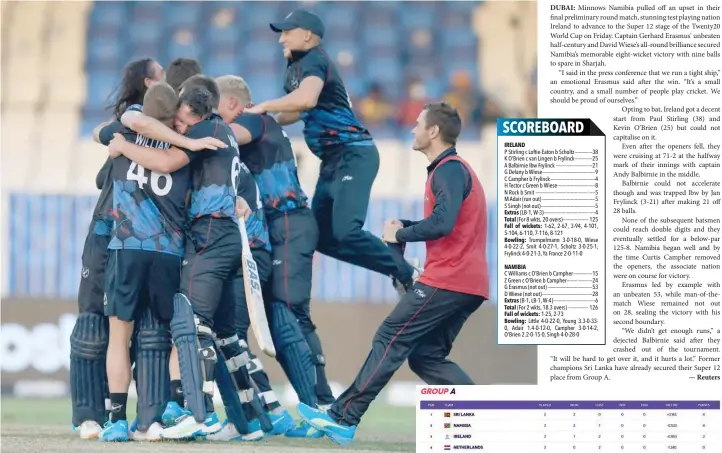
x=316, y=57
x=247, y=118
x=208, y=127
x=451, y=168
x=319, y=55
x=224, y=132
x=269, y=121
x=217, y=128
x=244, y=117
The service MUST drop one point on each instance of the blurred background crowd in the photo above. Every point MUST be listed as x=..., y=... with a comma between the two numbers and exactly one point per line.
x=394, y=56
x=61, y=61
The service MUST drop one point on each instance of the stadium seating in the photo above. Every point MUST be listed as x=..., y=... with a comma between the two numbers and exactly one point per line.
x=375, y=48
x=44, y=88
x=21, y=79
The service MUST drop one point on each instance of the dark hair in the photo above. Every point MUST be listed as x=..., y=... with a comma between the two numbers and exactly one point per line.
x=446, y=118
x=198, y=99
x=204, y=82
x=161, y=102
x=132, y=88
x=180, y=70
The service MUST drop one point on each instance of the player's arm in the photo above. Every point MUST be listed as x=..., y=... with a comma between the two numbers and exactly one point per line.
x=408, y=223
x=154, y=129
x=162, y=161
x=313, y=77
x=449, y=186
x=168, y=161
x=248, y=128
x=103, y=133
x=302, y=98
x=243, y=211
x=286, y=118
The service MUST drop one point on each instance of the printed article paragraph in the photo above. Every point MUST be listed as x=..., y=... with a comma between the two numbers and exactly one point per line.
x=648, y=74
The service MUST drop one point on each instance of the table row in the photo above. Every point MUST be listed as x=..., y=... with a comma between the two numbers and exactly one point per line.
x=572, y=425
x=712, y=435
x=568, y=405
x=622, y=416
x=607, y=447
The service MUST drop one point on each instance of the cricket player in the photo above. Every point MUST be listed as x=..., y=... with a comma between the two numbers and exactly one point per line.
x=133, y=118
x=248, y=209
x=203, y=309
x=143, y=272
x=89, y=339
x=454, y=283
x=293, y=233
x=349, y=158
x=180, y=70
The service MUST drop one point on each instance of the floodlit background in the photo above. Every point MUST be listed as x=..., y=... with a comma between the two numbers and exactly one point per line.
x=62, y=60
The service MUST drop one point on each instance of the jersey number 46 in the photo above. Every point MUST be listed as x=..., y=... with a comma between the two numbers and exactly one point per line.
x=138, y=173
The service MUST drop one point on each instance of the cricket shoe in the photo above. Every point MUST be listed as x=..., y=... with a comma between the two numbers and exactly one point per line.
x=173, y=413
x=151, y=435
x=89, y=429
x=114, y=432
x=188, y=428
x=304, y=431
x=282, y=422
x=341, y=434
x=229, y=433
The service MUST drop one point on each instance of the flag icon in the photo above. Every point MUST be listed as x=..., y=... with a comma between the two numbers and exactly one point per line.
x=447, y=425
x=447, y=447
x=447, y=414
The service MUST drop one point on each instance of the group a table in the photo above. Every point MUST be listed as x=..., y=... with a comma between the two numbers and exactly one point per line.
x=569, y=426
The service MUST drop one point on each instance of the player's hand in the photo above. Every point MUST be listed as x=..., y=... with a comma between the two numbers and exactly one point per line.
x=259, y=109
x=115, y=147
x=243, y=211
x=206, y=143
x=390, y=228
x=394, y=222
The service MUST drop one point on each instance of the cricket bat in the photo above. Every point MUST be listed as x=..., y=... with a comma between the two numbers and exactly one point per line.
x=254, y=297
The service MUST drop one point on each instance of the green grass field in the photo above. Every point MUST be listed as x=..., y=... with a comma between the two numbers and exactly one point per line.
x=43, y=425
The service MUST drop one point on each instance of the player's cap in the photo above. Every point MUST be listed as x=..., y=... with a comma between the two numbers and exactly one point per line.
x=300, y=19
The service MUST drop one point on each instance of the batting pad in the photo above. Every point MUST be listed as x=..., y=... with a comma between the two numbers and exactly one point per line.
x=152, y=366
x=88, y=379
x=229, y=390
x=236, y=360
x=185, y=338
x=293, y=353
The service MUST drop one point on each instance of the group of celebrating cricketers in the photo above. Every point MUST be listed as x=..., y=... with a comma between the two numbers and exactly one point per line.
x=191, y=162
